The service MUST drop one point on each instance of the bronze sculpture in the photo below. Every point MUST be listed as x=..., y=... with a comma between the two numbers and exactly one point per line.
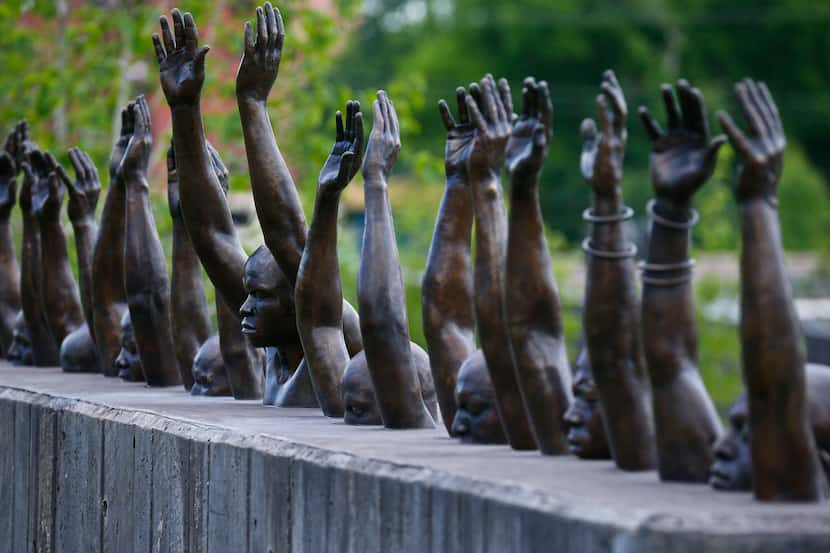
x=145, y=270
x=476, y=416
x=20, y=350
x=611, y=317
x=447, y=287
x=586, y=430
x=109, y=299
x=128, y=362
x=785, y=462
x=534, y=314
x=78, y=351
x=44, y=348
x=384, y=325
x=732, y=466
x=682, y=159
x=490, y=112
x=9, y=270
x=210, y=377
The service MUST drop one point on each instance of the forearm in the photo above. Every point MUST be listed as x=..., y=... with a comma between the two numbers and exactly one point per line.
x=278, y=205
x=44, y=349
x=60, y=293
x=383, y=319
x=319, y=299
x=9, y=284
x=86, y=233
x=109, y=300
x=491, y=251
x=187, y=297
x=205, y=209
x=447, y=294
x=148, y=289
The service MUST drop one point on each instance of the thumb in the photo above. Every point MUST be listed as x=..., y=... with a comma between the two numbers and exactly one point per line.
x=199, y=60
x=346, y=161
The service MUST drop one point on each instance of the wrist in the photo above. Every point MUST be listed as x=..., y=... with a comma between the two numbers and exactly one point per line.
x=607, y=201
x=250, y=99
x=82, y=222
x=189, y=107
x=674, y=209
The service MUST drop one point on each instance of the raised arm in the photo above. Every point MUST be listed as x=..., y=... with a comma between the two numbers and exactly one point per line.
x=109, y=301
x=611, y=319
x=534, y=314
x=204, y=209
x=9, y=271
x=278, y=205
x=187, y=294
x=44, y=349
x=682, y=159
x=61, y=301
x=381, y=299
x=490, y=111
x=145, y=270
x=83, y=198
x=447, y=288
x=318, y=292
x=785, y=462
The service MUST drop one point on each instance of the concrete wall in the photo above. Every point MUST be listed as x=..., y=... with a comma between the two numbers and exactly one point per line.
x=77, y=477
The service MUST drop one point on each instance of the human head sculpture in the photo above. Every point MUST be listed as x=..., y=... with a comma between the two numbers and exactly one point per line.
x=586, y=433
x=20, y=350
x=268, y=314
x=128, y=362
x=476, y=418
x=359, y=395
x=77, y=352
x=209, y=375
x=732, y=468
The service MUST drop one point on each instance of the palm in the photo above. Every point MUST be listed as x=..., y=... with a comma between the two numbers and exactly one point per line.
x=331, y=169
x=180, y=79
x=7, y=174
x=460, y=140
x=680, y=164
x=520, y=146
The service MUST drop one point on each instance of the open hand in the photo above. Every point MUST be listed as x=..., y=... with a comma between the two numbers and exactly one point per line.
x=117, y=153
x=683, y=157
x=18, y=145
x=137, y=154
x=527, y=147
x=460, y=136
x=8, y=185
x=48, y=190
x=181, y=61
x=261, y=59
x=85, y=189
x=384, y=140
x=602, y=154
x=760, y=155
x=347, y=153
x=491, y=112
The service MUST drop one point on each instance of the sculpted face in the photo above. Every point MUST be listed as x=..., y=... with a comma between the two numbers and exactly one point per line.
x=268, y=316
x=476, y=419
x=359, y=395
x=128, y=362
x=20, y=350
x=209, y=375
x=732, y=469
x=586, y=433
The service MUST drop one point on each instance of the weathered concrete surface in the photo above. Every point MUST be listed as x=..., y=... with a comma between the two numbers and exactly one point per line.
x=90, y=464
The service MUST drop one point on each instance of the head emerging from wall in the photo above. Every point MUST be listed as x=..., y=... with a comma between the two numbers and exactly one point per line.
x=359, y=395
x=586, y=433
x=20, y=350
x=268, y=315
x=732, y=468
x=476, y=418
x=77, y=353
x=209, y=375
x=128, y=363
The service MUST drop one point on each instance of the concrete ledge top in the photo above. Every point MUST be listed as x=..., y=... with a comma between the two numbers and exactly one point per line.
x=593, y=492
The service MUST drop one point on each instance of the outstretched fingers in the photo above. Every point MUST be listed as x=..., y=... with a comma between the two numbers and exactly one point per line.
x=672, y=113
x=476, y=117
x=161, y=55
x=651, y=125
x=358, y=134
x=460, y=99
x=737, y=138
x=545, y=108
x=446, y=115
x=611, y=87
x=261, y=29
x=191, y=33
x=506, y=99
x=167, y=35
x=750, y=111
x=178, y=27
